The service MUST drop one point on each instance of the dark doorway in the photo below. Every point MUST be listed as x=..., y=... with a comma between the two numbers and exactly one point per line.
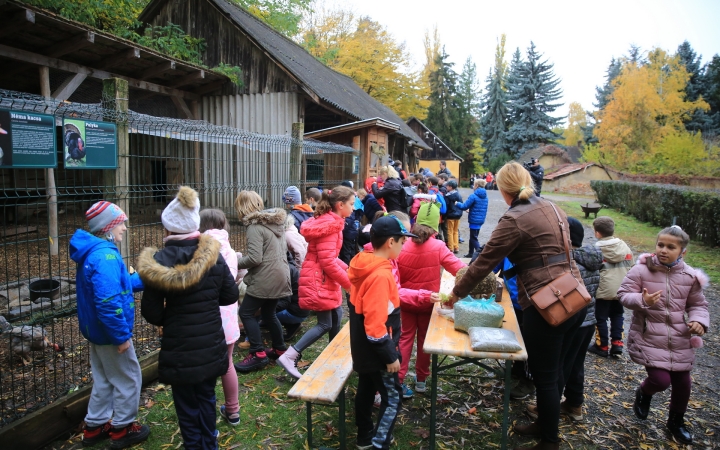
x=159, y=180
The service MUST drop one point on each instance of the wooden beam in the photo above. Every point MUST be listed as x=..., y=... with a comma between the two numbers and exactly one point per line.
x=199, y=75
x=182, y=107
x=41, y=60
x=77, y=42
x=206, y=88
x=157, y=70
x=66, y=89
x=16, y=21
x=119, y=57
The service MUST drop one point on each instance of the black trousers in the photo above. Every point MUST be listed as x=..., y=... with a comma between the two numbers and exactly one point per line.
x=574, y=371
x=266, y=306
x=195, y=408
x=613, y=310
x=547, y=348
x=388, y=385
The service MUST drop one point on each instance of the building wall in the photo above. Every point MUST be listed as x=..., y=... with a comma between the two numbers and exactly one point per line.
x=575, y=182
x=548, y=161
x=434, y=166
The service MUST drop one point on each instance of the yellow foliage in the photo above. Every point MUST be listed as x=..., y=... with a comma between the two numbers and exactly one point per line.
x=576, y=121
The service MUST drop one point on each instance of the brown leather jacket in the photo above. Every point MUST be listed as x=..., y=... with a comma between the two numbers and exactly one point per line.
x=528, y=231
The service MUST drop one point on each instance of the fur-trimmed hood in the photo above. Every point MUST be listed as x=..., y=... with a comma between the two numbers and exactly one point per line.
x=652, y=262
x=321, y=226
x=425, y=197
x=180, y=277
x=273, y=219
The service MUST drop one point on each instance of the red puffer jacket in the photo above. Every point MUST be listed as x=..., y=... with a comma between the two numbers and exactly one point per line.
x=420, y=269
x=322, y=273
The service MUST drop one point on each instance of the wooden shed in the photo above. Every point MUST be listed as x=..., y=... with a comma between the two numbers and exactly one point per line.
x=437, y=151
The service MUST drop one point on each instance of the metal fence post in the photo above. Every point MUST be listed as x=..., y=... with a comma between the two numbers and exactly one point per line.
x=298, y=129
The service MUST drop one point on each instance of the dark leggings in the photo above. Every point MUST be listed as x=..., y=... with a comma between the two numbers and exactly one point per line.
x=248, y=308
x=660, y=379
x=547, y=347
x=327, y=322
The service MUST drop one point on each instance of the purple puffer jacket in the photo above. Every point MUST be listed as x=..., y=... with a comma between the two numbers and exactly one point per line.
x=659, y=336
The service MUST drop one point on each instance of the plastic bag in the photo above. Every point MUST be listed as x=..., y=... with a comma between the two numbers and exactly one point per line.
x=447, y=313
x=478, y=313
x=483, y=339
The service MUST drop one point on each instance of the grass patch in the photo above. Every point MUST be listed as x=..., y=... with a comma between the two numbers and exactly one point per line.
x=641, y=237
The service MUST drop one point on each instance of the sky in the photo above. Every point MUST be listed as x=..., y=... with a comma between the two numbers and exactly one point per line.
x=578, y=37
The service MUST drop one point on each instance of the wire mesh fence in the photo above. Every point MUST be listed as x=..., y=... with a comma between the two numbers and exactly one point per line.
x=37, y=288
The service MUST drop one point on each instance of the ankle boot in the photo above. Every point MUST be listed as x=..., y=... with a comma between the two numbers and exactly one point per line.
x=641, y=407
x=289, y=360
x=530, y=429
x=676, y=425
x=542, y=445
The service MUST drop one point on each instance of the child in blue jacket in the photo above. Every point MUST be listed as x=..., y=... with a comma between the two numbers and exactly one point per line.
x=106, y=315
x=477, y=203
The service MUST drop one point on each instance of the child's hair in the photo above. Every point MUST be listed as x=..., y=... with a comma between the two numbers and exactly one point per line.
x=362, y=193
x=444, y=176
x=418, y=177
x=677, y=232
x=402, y=217
x=479, y=183
x=248, y=202
x=328, y=201
x=423, y=232
x=422, y=188
x=313, y=193
x=514, y=180
x=604, y=225
x=433, y=181
x=212, y=219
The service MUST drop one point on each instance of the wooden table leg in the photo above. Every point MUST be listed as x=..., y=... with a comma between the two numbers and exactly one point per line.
x=308, y=407
x=341, y=425
x=433, y=399
x=506, y=404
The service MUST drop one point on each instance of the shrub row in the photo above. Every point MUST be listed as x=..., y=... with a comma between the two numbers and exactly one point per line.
x=697, y=211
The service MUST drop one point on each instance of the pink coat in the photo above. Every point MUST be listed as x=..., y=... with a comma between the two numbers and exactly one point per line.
x=229, y=313
x=659, y=336
x=420, y=268
x=322, y=273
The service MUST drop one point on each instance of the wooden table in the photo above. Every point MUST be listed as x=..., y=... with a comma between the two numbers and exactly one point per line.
x=442, y=339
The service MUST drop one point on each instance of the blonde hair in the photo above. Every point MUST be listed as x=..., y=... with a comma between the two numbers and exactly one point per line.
x=389, y=171
x=248, y=202
x=212, y=219
x=479, y=183
x=515, y=181
x=362, y=193
x=328, y=201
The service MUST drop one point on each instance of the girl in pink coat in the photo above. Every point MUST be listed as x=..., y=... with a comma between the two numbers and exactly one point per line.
x=660, y=290
x=322, y=273
x=420, y=265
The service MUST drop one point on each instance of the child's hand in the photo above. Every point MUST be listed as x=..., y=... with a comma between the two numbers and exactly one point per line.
x=436, y=297
x=696, y=328
x=650, y=299
x=122, y=348
x=394, y=367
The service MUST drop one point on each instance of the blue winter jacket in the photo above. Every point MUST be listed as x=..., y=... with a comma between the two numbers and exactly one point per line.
x=477, y=203
x=105, y=302
x=440, y=199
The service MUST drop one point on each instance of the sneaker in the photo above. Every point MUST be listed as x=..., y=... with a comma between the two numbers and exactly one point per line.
x=364, y=441
x=378, y=400
x=93, y=435
x=420, y=387
x=129, y=435
x=244, y=345
x=600, y=351
x=273, y=353
x=616, y=348
x=522, y=389
x=253, y=361
x=233, y=419
x=291, y=330
x=406, y=391
x=469, y=255
x=461, y=240
x=574, y=412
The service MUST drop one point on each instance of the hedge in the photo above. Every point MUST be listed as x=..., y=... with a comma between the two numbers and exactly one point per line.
x=696, y=210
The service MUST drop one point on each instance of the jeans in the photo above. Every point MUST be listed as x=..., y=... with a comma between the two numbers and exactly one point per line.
x=612, y=309
x=388, y=385
x=327, y=322
x=474, y=243
x=574, y=371
x=547, y=348
x=660, y=379
x=286, y=318
x=267, y=310
x=195, y=408
x=453, y=234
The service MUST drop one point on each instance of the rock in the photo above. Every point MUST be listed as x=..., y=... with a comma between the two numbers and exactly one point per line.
x=26, y=310
x=65, y=302
x=4, y=325
x=42, y=299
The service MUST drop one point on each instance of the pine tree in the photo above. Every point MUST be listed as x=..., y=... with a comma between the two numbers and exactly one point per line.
x=532, y=91
x=443, y=108
x=712, y=92
x=696, y=87
x=493, y=124
x=466, y=125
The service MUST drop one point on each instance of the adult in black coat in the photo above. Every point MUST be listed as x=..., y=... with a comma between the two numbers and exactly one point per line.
x=392, y=191
x=537, y=173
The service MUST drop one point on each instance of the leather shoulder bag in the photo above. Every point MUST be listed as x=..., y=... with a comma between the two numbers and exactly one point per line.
x=564, y=296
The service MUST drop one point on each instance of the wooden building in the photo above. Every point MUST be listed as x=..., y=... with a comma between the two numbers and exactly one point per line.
x=437, y=150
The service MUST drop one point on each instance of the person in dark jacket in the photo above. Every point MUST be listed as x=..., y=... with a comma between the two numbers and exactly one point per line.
x=444, y=170
x=293, y=202
x=288, y=310
x=106, y=315
x=370, y=205
x=453, y=216
x=537, y=172
x=392, y=191
x=185, y=284
x=477, y=204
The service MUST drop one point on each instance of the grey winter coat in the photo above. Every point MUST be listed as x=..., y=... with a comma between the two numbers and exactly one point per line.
x=265, y=258
x=589, y=261
x=617, y=262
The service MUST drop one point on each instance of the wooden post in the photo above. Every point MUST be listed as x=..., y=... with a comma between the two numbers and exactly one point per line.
x=195, y=107
x=298, y=129
x=50, y=188
x=364, y=162
x=117, y=182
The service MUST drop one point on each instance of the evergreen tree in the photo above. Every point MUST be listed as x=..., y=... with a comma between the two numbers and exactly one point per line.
x=712, y=95
x=696, y=87
x=493, y=122
x=466, y=126
x=532, y=91
x=443, y=109
x=513, y=82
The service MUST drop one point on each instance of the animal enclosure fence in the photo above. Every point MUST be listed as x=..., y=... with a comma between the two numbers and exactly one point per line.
x=217, y=161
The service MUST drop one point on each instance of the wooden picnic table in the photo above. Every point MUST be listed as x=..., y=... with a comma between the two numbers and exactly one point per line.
x=443, y=340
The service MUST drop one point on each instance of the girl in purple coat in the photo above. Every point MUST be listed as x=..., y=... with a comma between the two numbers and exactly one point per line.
x=660, y=290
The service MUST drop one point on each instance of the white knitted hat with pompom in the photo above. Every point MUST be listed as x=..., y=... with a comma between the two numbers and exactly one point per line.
x=182, y=215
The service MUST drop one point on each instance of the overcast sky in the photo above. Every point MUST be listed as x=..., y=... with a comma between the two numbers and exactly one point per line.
x=579, y=37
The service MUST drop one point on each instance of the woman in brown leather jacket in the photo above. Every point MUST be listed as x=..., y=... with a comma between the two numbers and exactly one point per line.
x=529, y=235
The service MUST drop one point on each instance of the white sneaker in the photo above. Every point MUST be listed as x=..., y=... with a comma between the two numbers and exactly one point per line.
x=420, y=387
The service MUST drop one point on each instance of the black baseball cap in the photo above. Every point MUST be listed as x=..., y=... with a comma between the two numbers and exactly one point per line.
x=389, y=225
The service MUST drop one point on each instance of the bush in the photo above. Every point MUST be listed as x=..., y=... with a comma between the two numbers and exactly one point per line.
x=465, y=184
x=697, y=211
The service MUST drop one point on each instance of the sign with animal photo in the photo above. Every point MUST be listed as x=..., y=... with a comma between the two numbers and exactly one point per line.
x=27, y=140
x=89, y=145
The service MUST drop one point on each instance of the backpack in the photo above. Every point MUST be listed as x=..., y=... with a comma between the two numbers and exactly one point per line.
x=409, y=193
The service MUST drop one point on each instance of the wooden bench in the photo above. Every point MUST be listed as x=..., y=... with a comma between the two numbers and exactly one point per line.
x=588, y=208
x=323, y=383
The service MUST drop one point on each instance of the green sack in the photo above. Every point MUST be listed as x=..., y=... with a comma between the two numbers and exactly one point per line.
x=470, y=312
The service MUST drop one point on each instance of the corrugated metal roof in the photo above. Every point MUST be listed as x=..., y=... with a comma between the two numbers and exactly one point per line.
x=567, y=169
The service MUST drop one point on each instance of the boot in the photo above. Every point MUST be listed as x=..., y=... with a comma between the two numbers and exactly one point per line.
x=530, y=429
x=641, y=407
x=676, y=425
x=289, y=360
x=94, y=435
x=542, y=445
